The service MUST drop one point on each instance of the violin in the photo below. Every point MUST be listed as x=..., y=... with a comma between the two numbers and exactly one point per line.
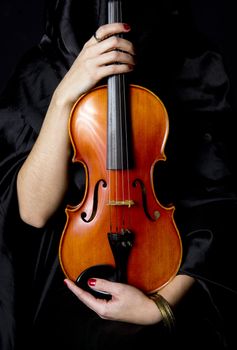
x=120, y=230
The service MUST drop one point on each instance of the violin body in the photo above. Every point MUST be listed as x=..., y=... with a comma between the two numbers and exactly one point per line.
x=121, y=201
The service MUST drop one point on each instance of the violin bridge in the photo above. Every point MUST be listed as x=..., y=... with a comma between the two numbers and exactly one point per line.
x=127, y=203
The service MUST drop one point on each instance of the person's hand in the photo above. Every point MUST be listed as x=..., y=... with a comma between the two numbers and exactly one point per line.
x=128, y=304
x=97, y=60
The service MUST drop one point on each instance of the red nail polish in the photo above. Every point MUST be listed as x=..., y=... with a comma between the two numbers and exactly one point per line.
x=126, y=26
x=91, y=282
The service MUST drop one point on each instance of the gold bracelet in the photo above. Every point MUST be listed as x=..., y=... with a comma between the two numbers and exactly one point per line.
x=165, y=310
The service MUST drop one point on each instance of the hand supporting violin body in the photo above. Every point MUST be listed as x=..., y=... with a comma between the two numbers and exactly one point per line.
x=129, y=304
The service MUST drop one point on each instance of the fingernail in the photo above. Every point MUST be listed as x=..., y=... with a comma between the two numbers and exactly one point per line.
x=126, y=26
x=91, y=282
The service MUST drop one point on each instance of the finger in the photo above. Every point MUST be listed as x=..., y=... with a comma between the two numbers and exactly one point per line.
x=110, y=29
x=79, y=292
x=99, y=284
x=115, y=43
x=113, y=69
x=115, y=57
x=84, y=296
x=97, y=305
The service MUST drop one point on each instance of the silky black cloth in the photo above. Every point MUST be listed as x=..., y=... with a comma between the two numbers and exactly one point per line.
x=187, y=71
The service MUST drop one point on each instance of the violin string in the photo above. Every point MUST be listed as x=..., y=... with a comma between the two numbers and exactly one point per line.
x=112, y=17
x=126, y=144
x=124, y=134
x=110, y=100
x=126, y=116
x=123, y=122
x=121, y=113
x=117, y=113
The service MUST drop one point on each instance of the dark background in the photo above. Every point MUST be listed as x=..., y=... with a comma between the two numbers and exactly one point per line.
x=22, y=25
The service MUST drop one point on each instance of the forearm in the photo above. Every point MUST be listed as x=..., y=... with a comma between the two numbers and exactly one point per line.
x=43, y=178
x=175, y=290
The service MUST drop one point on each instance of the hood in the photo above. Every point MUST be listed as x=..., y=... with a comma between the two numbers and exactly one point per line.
x=70, y=23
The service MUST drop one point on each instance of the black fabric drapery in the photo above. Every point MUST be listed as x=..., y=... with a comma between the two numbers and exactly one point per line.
x=188, y=72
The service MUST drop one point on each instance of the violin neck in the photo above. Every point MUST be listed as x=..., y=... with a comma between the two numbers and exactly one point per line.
x=118, y=150
x=114, y=11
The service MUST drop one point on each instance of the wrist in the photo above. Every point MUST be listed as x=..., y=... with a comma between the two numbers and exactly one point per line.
x=165, y=311
x=61, y=101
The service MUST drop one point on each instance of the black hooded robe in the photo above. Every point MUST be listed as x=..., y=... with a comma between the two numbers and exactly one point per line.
x=36, y=309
